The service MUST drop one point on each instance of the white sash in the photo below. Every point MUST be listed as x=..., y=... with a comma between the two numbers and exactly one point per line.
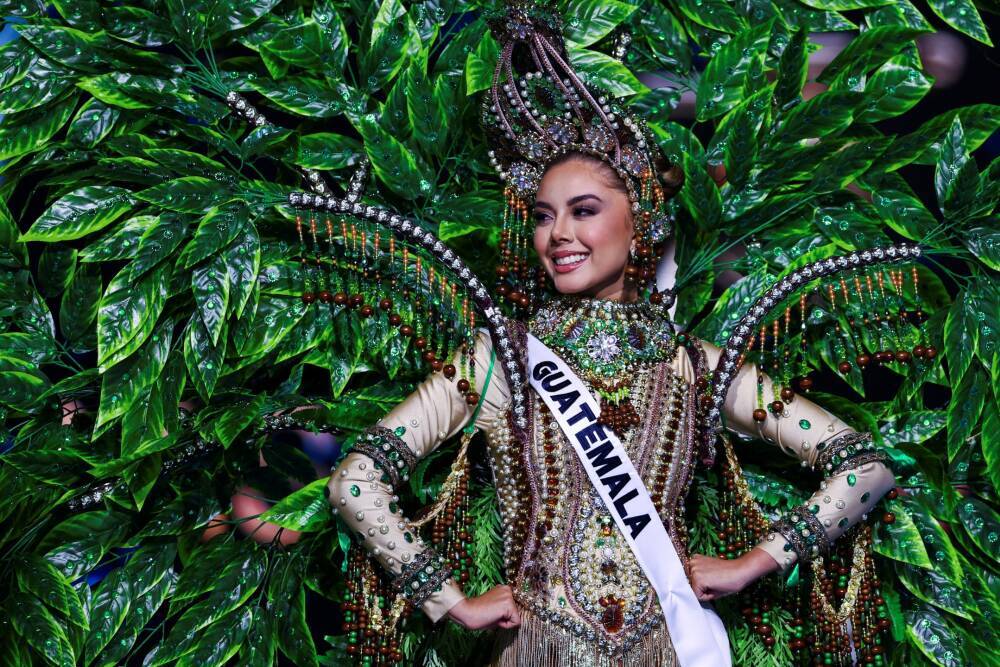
x=697, y=633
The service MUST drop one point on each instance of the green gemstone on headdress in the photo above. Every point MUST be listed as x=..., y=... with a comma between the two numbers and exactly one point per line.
x=804, y=424
x=814, y=509
x=355, y=491
x=399, y=431
x=852, y=479
x=843, y=522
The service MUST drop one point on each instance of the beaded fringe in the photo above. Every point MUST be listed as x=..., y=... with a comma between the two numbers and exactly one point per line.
x=540, y=643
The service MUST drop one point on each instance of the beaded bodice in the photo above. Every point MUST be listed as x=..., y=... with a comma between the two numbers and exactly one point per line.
x=564, y=555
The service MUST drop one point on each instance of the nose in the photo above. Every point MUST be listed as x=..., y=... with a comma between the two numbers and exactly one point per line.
x=562, y=231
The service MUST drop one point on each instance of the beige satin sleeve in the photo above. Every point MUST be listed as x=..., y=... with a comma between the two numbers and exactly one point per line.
x=434, y=412
x=849, y=495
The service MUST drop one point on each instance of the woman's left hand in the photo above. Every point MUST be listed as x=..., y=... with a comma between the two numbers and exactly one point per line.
x=713, y=578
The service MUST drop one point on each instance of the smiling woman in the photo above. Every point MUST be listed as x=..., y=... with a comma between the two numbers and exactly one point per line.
x=583, y=228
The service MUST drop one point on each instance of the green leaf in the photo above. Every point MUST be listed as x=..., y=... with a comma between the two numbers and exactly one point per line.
x=991, y=442
x=210, y=285
x=259, y=648
x=220, y=227
x=847, y=164
x=895, y=88
x=592, y=20
x=126, y=380
x=900, y=540
x=724, y=82
x=845, y=5
x=700, y=195
x=286, y=601
x=665, y=37
x=56, y=266
x=301, y=45
x=127, y=314
x=203, y=358
x=954, y=172
x=939, y=547
x=122, y=244
x=963, y=16
x=965, y=407
x=961, y=333
x=242, y=260
x=916, y=426
x=602, y=71
x=38, y=577
x=325, y=150
x=230, y=421
x=731, y=306
x=479, y=65
x=927, y=630
x=93, y=122
x=85, y=210
x=428, y=116
x=220, y=641
x=982, y=523
x=157, y=243
x=793, y=69
x=305, y=510
x=302, y=95
x=233, y=586
x=188, y=194
x=931, y=587
x=714, y=14
x=868, y=50
x=397, y=167
x=39, y=628
x=142, y=609
x=43, y=82
x=108, y=611
x=77, y=544
x=900, y=207
x=984, y=243
x=820, y=116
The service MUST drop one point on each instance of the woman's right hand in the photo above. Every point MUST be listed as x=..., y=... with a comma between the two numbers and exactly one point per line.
x=494, y=608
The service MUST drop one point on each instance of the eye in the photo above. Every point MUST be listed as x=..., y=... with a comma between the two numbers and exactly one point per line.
x=540, y=217
x=583, y=211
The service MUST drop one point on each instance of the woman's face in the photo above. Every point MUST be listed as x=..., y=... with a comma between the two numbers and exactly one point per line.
x=583, y=230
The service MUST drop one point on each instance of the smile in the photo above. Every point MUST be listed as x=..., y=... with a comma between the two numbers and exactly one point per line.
x=568, y=263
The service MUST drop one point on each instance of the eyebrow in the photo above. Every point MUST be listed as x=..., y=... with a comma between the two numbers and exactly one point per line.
x=574, y=200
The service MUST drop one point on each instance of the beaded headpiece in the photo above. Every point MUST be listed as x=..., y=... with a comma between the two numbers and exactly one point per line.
x=533, y=118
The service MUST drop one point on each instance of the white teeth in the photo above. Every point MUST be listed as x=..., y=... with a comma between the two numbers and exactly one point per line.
x=569, y=259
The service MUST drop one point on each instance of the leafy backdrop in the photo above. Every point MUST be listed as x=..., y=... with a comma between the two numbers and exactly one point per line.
x=144, y=262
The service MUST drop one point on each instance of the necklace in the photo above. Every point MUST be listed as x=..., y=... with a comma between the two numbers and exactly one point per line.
x=606, y=341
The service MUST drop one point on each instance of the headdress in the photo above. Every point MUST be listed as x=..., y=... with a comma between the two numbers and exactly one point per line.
x=534, y=117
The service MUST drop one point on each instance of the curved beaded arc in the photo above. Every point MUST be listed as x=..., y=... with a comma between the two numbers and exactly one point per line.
x=725, y=371
x=411, y=232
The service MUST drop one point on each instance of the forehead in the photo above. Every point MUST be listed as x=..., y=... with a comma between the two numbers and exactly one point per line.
x=574, y=176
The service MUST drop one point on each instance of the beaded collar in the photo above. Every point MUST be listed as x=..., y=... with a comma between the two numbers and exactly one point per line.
x=604, y=339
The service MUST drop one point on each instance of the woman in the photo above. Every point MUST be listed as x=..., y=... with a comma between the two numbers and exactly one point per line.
x=576, y=594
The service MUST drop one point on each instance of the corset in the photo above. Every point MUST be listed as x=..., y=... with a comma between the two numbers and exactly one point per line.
x=565, y=559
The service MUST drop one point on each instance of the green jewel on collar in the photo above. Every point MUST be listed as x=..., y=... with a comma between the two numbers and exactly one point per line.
x=605, y=338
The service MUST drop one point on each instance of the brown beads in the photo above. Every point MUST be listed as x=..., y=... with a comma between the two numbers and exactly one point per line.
x=787, y=394
x=463, y=385
x=844, y=367
x=449, y=371
x=308, y=297
x=760, y=415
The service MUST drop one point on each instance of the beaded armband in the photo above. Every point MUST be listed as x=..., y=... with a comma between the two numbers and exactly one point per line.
x=847, y=451
x=391, y=455
x=422, y=577
x=805, y=534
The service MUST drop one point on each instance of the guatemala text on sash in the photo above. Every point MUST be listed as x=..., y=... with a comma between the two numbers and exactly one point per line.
x=696, y=631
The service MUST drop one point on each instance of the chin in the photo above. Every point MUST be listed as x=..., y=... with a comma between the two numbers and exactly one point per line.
x=572, y=284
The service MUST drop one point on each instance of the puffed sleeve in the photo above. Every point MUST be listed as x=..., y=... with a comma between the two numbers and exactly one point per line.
x=363, y=487
x=855, y=475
